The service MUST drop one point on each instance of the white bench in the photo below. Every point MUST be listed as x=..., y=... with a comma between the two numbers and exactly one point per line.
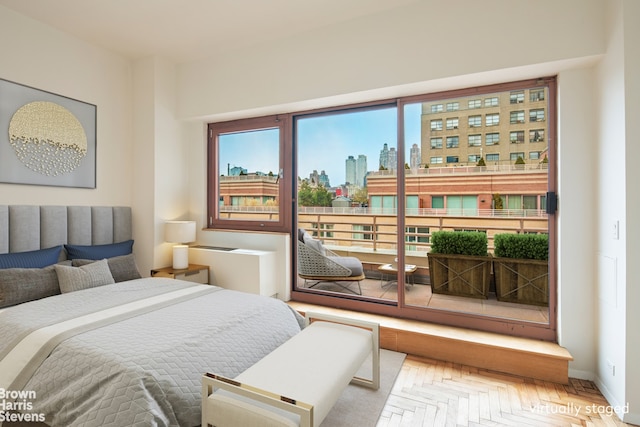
x=298, y=383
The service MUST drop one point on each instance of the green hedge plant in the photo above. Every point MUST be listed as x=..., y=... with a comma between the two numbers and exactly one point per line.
x=459, y=243
x=522, y=246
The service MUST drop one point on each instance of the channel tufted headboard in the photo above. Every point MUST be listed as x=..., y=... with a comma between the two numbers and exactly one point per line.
x=28, y=228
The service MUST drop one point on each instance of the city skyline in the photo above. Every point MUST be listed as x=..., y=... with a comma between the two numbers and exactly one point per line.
x=324, y=142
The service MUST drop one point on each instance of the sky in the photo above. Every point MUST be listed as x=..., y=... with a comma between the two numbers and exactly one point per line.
x=324, y=142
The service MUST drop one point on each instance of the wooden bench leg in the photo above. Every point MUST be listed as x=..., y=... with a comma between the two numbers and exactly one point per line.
x=374, y=382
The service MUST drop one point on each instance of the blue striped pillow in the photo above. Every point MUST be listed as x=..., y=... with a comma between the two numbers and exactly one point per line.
x=97, y=252
x=31, y=259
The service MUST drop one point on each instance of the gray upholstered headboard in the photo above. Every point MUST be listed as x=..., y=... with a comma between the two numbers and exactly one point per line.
x=28, y=228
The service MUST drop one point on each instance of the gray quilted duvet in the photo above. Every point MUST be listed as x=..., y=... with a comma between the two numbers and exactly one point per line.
x=145, y=370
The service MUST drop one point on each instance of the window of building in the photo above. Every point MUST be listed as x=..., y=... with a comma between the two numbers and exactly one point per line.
x=436, y=108
x=534, y=155
x=475, y=121
x=493, y=157
x=417, y=234
x=437, y=202
x=436, y=124
x=475, y=140
x=435, y=160
x=516, y=117
x=492, y=119
x=475, y=103
x=362, y=232
x=243, y=193
x=536, y=135
x=536, y=95
x=452, y=141
x=517, y=137
x=453, y=106
x=514, y=156
x=516, y=97
x=453, y=159
x=452, y=123
x=473, y=158
x=436, y=143
x=536, y=115
x=491, y=102
x=492, y=138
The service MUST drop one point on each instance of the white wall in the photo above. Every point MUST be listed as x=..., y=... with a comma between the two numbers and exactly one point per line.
x=631, y=13
x=42, y=57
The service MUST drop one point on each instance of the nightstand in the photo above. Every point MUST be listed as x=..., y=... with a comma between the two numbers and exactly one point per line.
x=194, y=273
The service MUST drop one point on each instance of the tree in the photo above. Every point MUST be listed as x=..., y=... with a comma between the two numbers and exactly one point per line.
x=497, y=201
x=313, y=196
x=481, y=162
x=519, y=161
x=361, y=196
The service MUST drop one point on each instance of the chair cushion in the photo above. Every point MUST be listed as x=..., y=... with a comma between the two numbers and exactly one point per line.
x=352, y=263
x=314, y=244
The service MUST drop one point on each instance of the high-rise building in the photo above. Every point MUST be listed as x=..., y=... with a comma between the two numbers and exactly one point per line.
x=350, y=170
x=414, y=157
x=384, y=156
x=361, y=170
x=500, y=127
x=323, y=179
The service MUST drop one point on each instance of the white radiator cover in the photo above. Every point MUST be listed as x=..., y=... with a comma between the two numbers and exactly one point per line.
x=244, y=270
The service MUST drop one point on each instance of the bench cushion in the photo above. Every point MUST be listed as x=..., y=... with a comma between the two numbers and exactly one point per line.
x=313, y=366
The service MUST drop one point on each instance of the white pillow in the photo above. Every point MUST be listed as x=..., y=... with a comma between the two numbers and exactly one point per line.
x=87, y=276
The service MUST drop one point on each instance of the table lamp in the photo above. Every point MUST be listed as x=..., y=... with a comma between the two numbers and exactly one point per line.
x=180, y=232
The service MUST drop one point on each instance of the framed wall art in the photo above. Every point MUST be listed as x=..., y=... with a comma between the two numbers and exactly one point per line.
x=46, y=139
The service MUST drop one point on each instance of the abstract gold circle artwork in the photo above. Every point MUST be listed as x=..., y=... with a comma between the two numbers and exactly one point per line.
x=47, y=138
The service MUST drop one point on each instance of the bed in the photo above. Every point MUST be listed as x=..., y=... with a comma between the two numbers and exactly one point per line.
x=130, y=351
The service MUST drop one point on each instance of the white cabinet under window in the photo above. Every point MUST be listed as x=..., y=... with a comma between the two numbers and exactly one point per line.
x=244, y=270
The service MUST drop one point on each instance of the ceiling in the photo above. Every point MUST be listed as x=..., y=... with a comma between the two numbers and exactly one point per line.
x=187, y=30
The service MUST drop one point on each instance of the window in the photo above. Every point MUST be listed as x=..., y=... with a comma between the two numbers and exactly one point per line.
x=473, y=158
x=475, y=121
x=452, y=159
x=453, y=106
x=436, y=143
x=436, y=124
x=514, y=156
x=364, y=232
x=437, y=202
x=417, y=234
x=493, y=157
x=452, y=123
x=436, y=108
x=534, y=155
x=492, y=119
x=516, y=97
x=475, y=140
x=475, y=103
x=491, y=102
x=536, y=115
x=452, y=141
x=246, y=192
x=492, y=138
x=536, y=95
x=435, y=160
x=517, y=137
x=516, y=117
x=536, y=135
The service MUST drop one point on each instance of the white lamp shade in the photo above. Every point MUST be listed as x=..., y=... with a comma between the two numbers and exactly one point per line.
x=180, y=231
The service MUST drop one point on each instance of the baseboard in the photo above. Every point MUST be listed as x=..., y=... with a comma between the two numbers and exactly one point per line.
x=513, y=355
x=621, y=409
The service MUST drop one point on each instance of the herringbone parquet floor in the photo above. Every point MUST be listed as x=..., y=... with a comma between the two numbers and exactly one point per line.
x=434, y=393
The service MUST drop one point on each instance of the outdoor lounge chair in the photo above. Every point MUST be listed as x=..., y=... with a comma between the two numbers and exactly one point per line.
x=320, y=265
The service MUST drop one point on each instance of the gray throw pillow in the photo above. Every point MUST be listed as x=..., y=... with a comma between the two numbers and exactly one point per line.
x=122, y=267
x=88, y=276
x=314, y=244
x=18, y=285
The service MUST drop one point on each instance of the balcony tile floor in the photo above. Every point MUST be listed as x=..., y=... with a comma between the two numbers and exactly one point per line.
x=420, y=295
